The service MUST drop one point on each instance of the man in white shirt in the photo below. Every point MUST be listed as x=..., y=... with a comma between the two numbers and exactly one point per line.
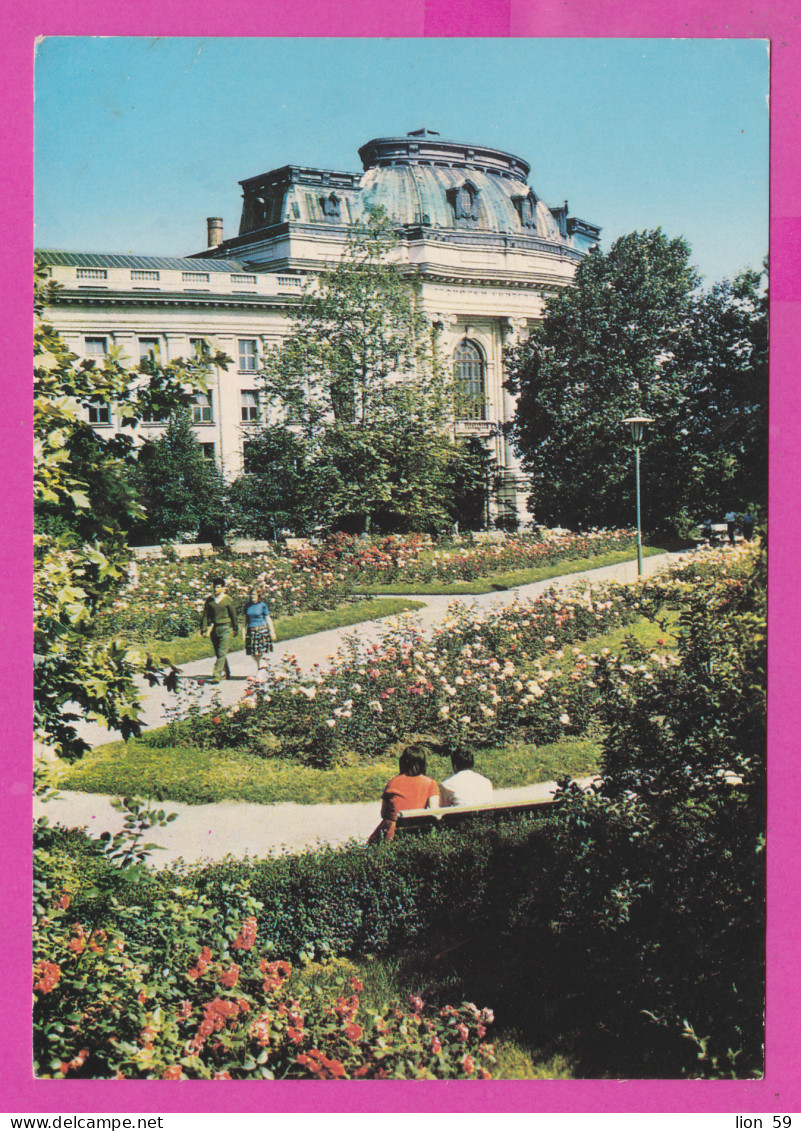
x=465, y=786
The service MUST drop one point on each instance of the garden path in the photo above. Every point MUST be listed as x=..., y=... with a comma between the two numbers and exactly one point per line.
x=321, y=648
x=207, y=833
x=236, y=828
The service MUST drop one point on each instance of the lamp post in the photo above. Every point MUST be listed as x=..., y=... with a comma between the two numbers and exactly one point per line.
x=637, y=426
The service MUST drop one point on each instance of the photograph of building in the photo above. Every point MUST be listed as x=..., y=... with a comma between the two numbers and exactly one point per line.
x=474, y=235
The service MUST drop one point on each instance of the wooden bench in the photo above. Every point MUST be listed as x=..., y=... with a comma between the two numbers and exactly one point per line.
x=416, y=821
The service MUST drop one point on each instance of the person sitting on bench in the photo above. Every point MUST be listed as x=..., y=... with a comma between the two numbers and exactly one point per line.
x=410, y=789
x=465, y=786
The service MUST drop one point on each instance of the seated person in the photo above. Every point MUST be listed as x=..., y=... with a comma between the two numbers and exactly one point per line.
x=465, y=786
x=410, y=789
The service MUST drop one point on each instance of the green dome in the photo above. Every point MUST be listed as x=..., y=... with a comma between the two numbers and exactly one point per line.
x=424, y=181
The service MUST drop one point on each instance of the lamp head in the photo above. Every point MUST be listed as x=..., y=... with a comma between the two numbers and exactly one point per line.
x=637, y=426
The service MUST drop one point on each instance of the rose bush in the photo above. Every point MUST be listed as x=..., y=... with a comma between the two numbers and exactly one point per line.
x=165, y=598
x=195, y=996
x=481, y=678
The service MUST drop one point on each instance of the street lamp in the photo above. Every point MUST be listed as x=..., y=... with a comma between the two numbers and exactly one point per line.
x=637, y=426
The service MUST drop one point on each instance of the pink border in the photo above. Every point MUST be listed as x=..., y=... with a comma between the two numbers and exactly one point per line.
x=776, y=20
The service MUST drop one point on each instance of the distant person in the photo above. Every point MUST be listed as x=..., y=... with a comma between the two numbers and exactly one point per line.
x=259, y=627
x=708, y=532
x=464, y=786
x=748, y=525
x=410, y=789
x=220, y=622
x=730, y=518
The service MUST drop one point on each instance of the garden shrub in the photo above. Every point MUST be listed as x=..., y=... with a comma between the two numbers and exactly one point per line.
x=661, y=865
x=214, y=1004
x=481, y=678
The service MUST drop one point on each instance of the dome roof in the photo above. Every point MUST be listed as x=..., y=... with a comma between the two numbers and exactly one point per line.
x=422, y=180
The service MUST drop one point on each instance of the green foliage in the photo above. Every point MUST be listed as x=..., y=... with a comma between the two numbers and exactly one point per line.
x=635, y=336
x=183, y=985
x=661, y=866
x=182, y=492
x=398, y=477
x=277, y=489
x=84, y=502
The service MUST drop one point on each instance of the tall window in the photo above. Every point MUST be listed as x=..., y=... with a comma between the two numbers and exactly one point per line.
x=95, y=348
x=202, y=409
x=145, y=347
x=249, y=406
x=248, y=355
x=468, y=372
x=99, y=414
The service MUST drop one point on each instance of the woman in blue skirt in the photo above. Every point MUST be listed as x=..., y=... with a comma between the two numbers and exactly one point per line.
x=260, y=630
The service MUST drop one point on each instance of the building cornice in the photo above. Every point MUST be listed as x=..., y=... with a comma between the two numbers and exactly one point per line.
x=65, y=297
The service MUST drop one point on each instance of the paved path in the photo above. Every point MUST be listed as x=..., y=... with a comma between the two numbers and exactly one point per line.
x=206, y=833
x=322, y=647
x=237, y=828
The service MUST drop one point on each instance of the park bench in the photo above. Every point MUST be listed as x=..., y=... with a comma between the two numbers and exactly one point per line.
x=416, y=821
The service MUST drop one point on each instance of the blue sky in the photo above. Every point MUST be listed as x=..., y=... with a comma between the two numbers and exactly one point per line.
x=139, y=140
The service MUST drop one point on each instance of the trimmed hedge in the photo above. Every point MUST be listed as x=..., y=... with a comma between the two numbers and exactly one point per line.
x=353, y=900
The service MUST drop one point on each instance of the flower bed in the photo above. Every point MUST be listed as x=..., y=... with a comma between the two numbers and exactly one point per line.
x=165, y=599
x=481, y=678
x=416, y=559
x=208, y=1002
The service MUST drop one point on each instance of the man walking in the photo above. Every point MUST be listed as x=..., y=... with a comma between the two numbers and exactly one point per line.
x=730, y=518
x=220, y=622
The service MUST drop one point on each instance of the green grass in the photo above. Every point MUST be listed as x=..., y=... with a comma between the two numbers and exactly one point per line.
x=196, y=647
x=387, y=980
x=500, y=581
x=197, y=777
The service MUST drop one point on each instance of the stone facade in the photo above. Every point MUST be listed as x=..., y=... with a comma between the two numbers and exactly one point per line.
x=483, y=247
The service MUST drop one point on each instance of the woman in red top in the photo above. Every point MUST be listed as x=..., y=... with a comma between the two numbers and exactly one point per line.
x=411, y=789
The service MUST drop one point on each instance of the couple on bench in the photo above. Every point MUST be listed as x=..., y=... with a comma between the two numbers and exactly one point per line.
x=411, y=789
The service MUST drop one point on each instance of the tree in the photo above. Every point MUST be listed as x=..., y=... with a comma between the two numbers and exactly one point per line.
x=83, y=501
x=390, y=479
x=276, y=489
x=635, y=336
x=181, y=490
x=359, y=380
x=360, y=350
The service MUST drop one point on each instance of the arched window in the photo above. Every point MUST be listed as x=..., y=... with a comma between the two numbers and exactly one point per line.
x=468, y=372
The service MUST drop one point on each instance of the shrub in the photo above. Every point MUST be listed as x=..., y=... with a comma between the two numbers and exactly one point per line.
x=199, y=998
x=481, y=678
x=661, y=866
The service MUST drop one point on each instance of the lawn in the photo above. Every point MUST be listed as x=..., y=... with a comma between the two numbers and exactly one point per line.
x=185, y=649
x=510, y=580
x=197, y=777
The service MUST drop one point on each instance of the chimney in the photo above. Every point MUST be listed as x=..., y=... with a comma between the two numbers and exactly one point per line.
x=214, y=230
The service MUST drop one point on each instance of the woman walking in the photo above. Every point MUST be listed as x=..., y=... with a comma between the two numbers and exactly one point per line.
x=260, y=630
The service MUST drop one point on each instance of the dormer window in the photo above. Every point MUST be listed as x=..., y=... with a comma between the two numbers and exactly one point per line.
x=464, y=199
x=331, y=205
x=527, y=210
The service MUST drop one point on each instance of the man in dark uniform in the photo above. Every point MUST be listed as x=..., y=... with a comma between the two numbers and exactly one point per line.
x=220, y=622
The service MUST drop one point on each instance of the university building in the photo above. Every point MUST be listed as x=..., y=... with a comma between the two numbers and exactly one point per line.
x=481, y=244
